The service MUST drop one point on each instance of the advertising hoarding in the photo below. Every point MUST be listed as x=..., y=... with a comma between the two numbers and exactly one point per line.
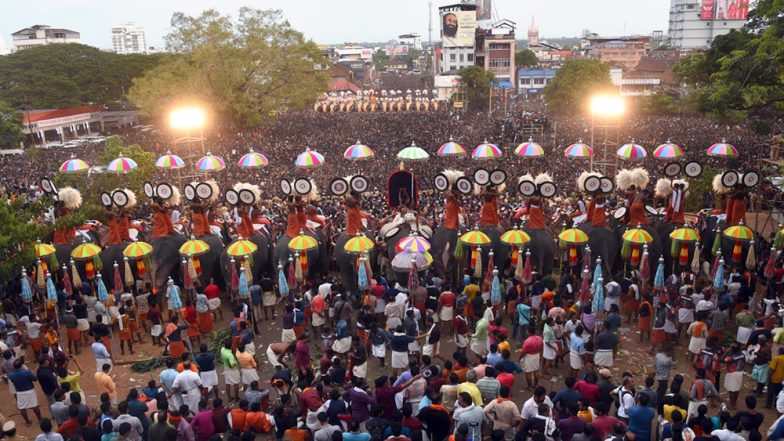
x=458, y=28
x=724, y=9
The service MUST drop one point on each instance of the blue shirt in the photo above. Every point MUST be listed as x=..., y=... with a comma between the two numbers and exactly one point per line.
x=22, y=380
x=206, y=361
x=578, y=344
x=493, y=359
x=565, y=397
x=523, y=314
x=508, y=366
x=362, y=436
x=167, y=378
x=640, y=422
x=99, y=350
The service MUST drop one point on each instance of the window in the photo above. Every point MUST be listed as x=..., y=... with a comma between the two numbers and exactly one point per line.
x=497, y=46
x=452, y=57
x=538, y=80
x=499, y=62
x=470, y=58
x=461, y=58
x=59, y=35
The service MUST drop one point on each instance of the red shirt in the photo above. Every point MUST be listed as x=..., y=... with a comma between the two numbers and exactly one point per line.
x=460, y=325
x=68, y=428
x=447, y=299
x=212, y=291
x=506, y=379
x=533, y=345
x=602, y=425
x=319, y=304
x=589, y=391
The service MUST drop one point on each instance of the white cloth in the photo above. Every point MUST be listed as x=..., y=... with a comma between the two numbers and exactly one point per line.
x=273, y=357
x=189, y=382
x=399, y=360
x=696, y=343
x=733, y=381
x=461, y=340
x=288, y=336
x=446, y=313
x=27, y=399
x=214, y=304
x=318, y=319
x=479, y=347
x=82, y=325
x=743, y=335
x=575, y=360
x=548, y=353
x=249, y=375
x=530, y=408
x=156, y=330
x=360, y=371
x=379, y=351
x=431, y=350
x=268, y=298
x=603, y=357
x=209, y=378
x=342, y=346
x=531, y=363
x=231, y=376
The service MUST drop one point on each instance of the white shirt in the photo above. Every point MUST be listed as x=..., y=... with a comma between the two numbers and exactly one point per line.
x=626, y=401
x=705, y=305
x=780, y=402
x=727, y=435
x=531, y=408
x=187, y=380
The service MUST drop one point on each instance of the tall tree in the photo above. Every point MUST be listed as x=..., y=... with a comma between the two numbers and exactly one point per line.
x=526, y=58
x=244, y=70
x=476, y=82
x=10, y=126
x=574, y=83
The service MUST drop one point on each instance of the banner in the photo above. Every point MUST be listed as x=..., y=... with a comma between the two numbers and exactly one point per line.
x=725, y=9
x=458, y=28
x=707, y=10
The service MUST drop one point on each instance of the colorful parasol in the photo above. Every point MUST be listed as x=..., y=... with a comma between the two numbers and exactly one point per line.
x=579, y=150
x=685, y=235
x=121, y=164
x=194, y=247
x=43, y=249
x=74, y=165
x=486, y=150
x=413, y=243
x=668, y=151
x=451, y=148
x=631, y=152
x=406, y=260
x=529, y=149
x=169, y=161
x=475, y=237
x=722, y=149
x=739, y=232
x=85, y=251
x=637, y=236
x=210, y=163
x=302, y=243
x=241, y=247
x=358, y=244
x=137, y=250
x=573, y=236
x=515, y=237
x=358, y=151
x=309, y=159
x=253, y=159
x=412, y=153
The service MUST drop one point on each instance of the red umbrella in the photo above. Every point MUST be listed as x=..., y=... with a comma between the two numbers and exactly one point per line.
x=67, y=286
x=770, y=267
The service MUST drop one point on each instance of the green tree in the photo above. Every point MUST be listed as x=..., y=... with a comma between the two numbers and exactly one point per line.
x=380, y=59
x=526, y=58
x=63, y=75
x=659, y=104
x=244, y=70
x=17, y=236
x=575, y=82
x=10, y=126
x=476, y=82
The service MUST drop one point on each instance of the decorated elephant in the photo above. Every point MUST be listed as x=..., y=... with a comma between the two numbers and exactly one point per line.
x=347, y=262
x=442, y=249
x=710, y=226
x=260, y=259
x=317, y=266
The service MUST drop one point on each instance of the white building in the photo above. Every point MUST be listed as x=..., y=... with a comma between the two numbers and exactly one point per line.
x=129, y=39
x=695, y=23
x=412, y=40
x=40, y=35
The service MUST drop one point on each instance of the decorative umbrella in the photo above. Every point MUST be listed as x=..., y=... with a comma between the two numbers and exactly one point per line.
x=66, y=280
x=358, y=151
x=89, y=253
x=770, y=267
x=309, y=159
x=740, y=233
x=414, y=243
x=695, y=261
x=645, y=266
x=516, y=238
x=476, y=239
x=242, y=286
x=486, y=150
x=451, y=148
x=169, y=161
x=358, y=244
x=598, y=296
x=495, y=288
x=302, y=243
x=658, y=279
x=253, y=159
x=683, y=236
x=73, y=165
x=404, y=260
x=362, y=275
x=529, y=149
x=631, y=152
x=718, y=279
x=51, y=292
x=722, y=149
x=127, y=271
x=412, y=153
x=573, y=237
x=668, y=151
x=77, y=281
x=241, y=247
x=597, y=270
x=27, y=292
x=121, y=164
x=43, y=249
x=103, y=294
x=587, y=259
x=139, y=251
x=283, y=286
x=194, y=247
x=585, y=286
x=210, y=163
x=579, y=150
x=636, y=237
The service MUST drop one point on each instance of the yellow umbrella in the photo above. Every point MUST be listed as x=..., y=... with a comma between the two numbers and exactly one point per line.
x=573, y=236
x=194, y=247
x=302, y=243
x=137, y=250
x=637, y=236
x=475, y=237
x=85, y=251
x=43, y=249
x=358, y=245
x=515, y=237
x=242, y=247
x=685, y=235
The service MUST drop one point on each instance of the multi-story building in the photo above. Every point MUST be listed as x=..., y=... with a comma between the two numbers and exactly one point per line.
x=129, y=39
x=414, y=41
x=695, y=23
x=495, y=51
x=625, y=53
x=458, y=37
x=41, y=35
x=533, y=81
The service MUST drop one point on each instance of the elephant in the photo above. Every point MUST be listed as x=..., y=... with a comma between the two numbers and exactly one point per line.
x=604, y=243
x=708, y=230
x=316, y=257
x=166, y=260
x=543, y=250
x=261, y=259
x=442, y=249
x=444, y=242
x=347, y=262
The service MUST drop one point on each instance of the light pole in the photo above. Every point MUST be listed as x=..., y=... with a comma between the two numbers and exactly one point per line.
x=608, y=107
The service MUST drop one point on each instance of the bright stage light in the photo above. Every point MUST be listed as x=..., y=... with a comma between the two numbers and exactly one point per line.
x=607, y=105
x=187, y=118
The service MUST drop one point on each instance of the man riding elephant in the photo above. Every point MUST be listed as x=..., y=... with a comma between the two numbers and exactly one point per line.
x=445, y=236
x=68, y=199
x=356, y=221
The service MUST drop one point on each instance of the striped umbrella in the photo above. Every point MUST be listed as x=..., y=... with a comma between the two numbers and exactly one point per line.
x=169, y=161
x=121, y=164
x=637, y=236
x=475, y=237
x=404, y=260
x=739, y=232
x=194, y=247
x=451, y=148
x=43, y=249
x=74, y=165
x=210, y=163
x=302, y=243
x=529, y=149
x=631, y=152
x=413, y=243
x=412, y=153
x=358, y=151
x=578, y=150
x=137, y=250
x=253, y=159
x=685, y=235
x=85, y=251
x=573, y=236
x=241, y=247
x=668, y=151
x=358, y=245
x=515, y=237
x=309, y=159
x=722, y=149
x=486, y=150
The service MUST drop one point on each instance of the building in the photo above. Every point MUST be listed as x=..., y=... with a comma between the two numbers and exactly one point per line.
x=624, y=52
x=548, y=54
x=62, y=124
x=695, y=23
x=495, y=51
x=414, y=41
x=341, y=79
x=653, y=74
x=458, y=37
x=129, y=39
x=533, y=33
x=41, y=35
x=354, y=53
x=533, y=81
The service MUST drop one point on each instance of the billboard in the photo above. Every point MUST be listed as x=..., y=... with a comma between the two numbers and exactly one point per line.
x=399, y=50
x=458, y=28
x=724, y=9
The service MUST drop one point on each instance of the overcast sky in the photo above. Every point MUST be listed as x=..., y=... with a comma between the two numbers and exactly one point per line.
x=335, y=21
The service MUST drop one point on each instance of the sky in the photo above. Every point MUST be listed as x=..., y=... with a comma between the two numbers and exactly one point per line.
x=335, y=21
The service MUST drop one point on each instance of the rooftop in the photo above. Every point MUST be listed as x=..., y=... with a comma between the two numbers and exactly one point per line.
x=43, y=115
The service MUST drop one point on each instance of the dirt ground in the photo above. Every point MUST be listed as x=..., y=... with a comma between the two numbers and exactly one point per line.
x=634, y=357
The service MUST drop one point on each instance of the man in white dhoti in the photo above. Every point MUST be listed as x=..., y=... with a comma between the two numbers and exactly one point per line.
x=189, y=385
x=606, y=344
